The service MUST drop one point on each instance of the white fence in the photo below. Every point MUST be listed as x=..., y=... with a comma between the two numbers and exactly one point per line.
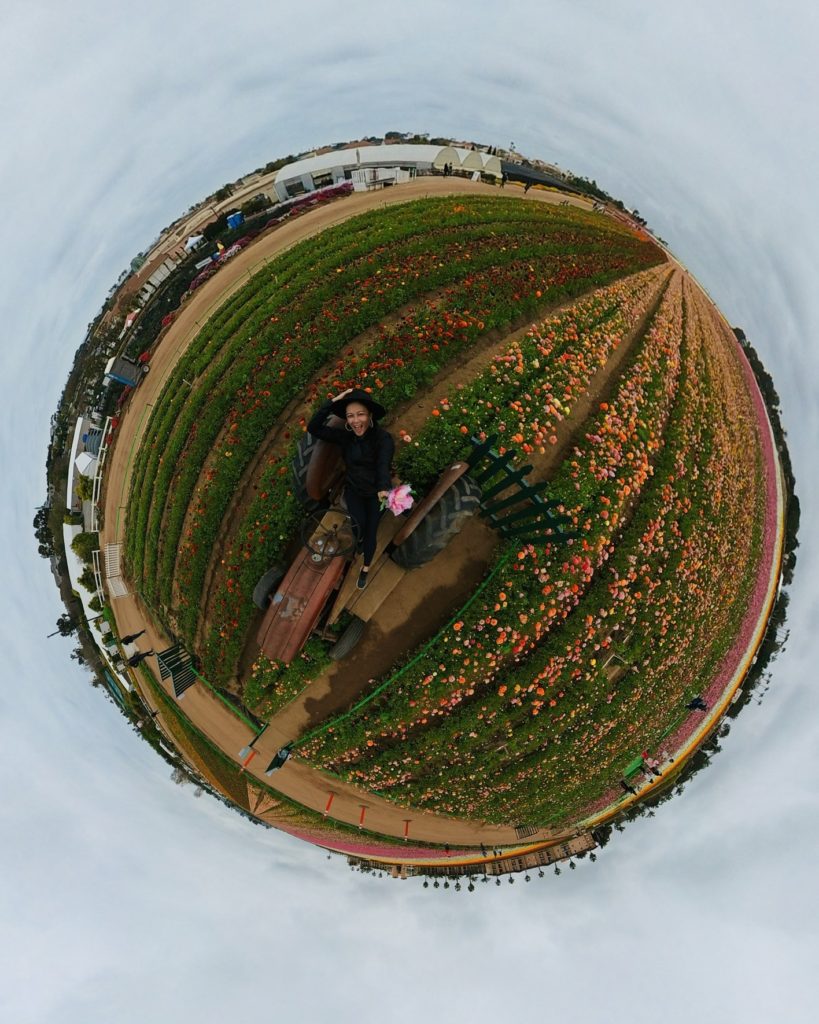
x=97, y=486
x=114, y=582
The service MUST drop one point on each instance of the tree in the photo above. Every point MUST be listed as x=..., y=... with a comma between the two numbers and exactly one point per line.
x=85, y=544
x=42, y=532
x=65, y=626
x=180, y=777
x=255, y=205
x=87, y=579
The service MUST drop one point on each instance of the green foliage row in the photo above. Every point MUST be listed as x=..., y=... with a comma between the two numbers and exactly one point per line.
x=291, y=279
x=261, y=536
x=301, y=282
x=272, y=685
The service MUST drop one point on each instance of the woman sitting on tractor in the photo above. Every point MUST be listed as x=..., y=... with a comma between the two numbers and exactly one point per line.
x=367, y=450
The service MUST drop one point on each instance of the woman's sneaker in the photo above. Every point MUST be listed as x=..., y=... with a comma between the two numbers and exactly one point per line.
x=362, y=579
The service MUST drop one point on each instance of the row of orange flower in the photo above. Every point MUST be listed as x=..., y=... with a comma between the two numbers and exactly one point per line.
x=647, y=636
x=539, y=588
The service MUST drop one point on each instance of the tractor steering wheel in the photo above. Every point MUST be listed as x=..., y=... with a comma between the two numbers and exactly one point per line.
x=329, y=534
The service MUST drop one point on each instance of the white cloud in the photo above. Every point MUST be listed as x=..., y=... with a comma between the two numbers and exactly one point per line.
x=125, y=899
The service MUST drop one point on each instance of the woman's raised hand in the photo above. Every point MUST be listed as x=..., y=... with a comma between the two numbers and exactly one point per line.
x=342, y=394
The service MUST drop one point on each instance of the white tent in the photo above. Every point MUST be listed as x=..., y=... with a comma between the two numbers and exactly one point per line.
x=86, y=464
x=194, y=242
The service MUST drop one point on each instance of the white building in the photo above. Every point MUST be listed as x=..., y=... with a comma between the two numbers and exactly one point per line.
x=375, y=166
x=162, y=273
x=85, y=448
x=76, y=567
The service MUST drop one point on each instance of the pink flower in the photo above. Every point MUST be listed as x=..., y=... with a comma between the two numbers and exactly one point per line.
x=399, y=499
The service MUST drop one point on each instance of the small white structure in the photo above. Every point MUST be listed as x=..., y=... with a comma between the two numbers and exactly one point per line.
x=83, y=461
x=114, y=582
x=162, y=273
x=86, y=464
x=365, y=178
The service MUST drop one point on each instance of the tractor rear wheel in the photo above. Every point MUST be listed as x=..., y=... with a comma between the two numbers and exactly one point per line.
x=348, y=639
x=299, y=465
x=266, y=587
x=443, y=521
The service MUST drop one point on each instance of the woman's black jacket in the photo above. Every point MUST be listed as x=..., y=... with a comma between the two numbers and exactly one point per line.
x=368, y=458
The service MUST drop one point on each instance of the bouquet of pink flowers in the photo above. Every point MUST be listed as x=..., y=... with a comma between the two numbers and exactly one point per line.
x=398, y=500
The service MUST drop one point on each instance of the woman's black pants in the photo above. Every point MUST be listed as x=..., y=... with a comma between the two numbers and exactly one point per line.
x=365, y=512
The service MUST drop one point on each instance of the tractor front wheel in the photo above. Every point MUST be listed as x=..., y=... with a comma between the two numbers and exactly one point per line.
x=348, y=639
x=299, y=465
x=266, y=587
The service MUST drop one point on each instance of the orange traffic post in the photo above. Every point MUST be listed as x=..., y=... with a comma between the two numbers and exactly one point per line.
x=330, y=798
x=361, y=816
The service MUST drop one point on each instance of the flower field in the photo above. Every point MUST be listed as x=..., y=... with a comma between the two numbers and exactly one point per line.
x=534, y=701
x=575, y=345
x=488, y=263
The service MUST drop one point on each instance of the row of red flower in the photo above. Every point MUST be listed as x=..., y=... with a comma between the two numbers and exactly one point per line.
x=444, y=328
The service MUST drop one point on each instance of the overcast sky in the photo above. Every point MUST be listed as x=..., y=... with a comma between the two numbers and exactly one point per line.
x=123, y=899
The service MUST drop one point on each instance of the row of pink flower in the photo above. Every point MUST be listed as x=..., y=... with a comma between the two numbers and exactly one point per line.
x=765, y=504
x=674, y=591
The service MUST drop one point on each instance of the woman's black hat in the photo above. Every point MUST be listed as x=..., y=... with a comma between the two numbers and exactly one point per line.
x=339, y=407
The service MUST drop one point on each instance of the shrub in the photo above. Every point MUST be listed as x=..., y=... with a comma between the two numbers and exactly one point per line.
x=84, y=487
x=85, y=544
x=87, y=579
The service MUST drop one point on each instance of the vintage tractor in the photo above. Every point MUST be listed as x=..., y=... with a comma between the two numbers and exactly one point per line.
x=318, y=587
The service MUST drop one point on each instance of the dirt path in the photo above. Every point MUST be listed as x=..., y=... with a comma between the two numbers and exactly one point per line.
x=297, y=781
